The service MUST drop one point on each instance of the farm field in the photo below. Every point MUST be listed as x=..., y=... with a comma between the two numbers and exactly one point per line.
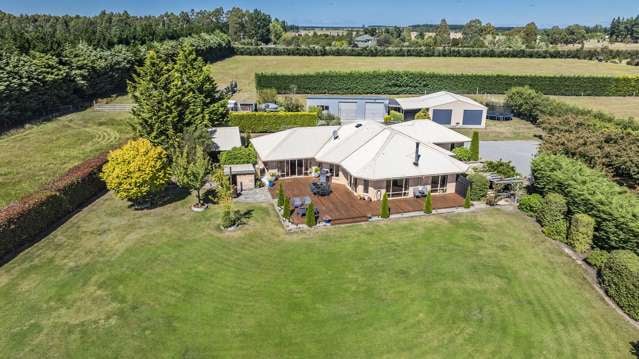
x=113, y=282
x=623, y=107
x=243, y=68
x=33, y=156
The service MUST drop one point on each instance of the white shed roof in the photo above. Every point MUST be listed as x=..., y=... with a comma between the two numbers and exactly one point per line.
x=242, y=169
x=225, y=138
x=435, y=99
x=429, y=132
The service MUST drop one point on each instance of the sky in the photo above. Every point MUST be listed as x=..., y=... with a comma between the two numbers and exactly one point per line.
x=363, y=12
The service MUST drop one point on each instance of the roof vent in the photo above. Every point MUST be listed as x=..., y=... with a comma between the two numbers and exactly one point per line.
x=358, y=125
x=335, y=135
x=417, y=155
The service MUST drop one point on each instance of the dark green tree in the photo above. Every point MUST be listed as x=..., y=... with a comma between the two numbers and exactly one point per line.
x=474, y=147
x=529, y=35
x=280, y=196
x=149, y=91
x=286, y=208
x=384, y=210
x=467, y=202
x=172, y=98
x=442, y=34
x=310, y=216
x=472, y=34
x=428, y=204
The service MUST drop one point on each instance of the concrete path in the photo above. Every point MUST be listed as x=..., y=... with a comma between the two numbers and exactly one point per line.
x=519, y=152
x=258, y=195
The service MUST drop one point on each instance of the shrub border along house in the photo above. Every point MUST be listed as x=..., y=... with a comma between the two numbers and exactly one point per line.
x=413, y=82
x=262, y=122
x=23, y=221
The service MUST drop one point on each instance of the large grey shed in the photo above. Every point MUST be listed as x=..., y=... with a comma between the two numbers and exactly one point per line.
x=351, y=108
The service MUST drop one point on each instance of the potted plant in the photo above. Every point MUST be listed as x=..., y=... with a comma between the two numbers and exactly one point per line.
x=315, y=171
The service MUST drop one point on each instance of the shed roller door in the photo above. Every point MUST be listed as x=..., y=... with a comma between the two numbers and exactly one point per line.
x=348, y=111
x=443, y=117
x=473, y=117
x=375, y=112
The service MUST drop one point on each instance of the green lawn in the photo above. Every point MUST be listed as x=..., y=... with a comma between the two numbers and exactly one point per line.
x=35, y=155
x=505, y=130
x=243, y=68
x=167, y=282
x=623, y=107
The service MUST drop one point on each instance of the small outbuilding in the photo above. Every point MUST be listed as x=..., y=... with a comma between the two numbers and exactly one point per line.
x=351, y=108
x=225, y=138
x=445, y=108
x=242, y=176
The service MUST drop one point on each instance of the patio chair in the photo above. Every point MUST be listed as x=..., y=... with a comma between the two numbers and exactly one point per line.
x=420, y=192
x=301, y=211
x=297, y=202
x=307, y=200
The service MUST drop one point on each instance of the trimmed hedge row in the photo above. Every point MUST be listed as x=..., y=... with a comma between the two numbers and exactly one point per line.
x=589, y=54
x=408, y=82
x=35, y=85
x=262, y=122
x=22, y=221
x=620, y=278
x=614, y=208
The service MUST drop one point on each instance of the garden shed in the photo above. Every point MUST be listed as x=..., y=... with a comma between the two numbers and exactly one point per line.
x=242, y=176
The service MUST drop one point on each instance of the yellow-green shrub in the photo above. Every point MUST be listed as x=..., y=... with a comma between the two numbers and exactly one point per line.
x=136, y=170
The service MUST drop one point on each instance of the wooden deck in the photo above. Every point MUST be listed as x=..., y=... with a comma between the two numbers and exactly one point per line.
x=342, y=206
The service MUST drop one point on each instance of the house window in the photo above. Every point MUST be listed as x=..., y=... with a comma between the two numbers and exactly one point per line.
x=352, y=181
x=324, y=107
x=366, y=185
x=439, y=184
x=397, y=187
x=334, y=169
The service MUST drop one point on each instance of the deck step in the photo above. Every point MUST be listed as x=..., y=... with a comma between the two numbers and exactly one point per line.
x=350, y=220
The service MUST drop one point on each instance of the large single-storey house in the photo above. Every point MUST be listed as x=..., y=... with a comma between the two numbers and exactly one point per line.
x=351, y=108
x=368, y=157
x=445, y=108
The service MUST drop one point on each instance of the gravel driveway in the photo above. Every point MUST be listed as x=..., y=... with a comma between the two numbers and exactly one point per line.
x=519, y=152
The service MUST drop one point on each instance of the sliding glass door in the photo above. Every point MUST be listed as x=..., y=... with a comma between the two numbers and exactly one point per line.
x=397, y=187
x=294, y=168
x=439, y=184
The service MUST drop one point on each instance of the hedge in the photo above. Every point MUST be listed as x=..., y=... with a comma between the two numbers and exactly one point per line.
x=33, y=86
x=22, y=221
x=614, y=208
x=552, y=216
x=478, y=186
x=409, y=82
x=589, y=54
x=599, y=139
x=620, y=278
x=261, y=122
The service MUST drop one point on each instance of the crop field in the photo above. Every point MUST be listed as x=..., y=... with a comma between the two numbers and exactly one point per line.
x=243, y=68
